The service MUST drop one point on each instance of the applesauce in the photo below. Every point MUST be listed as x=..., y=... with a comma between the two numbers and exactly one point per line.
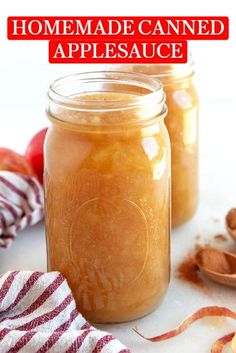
x=182, y=125
x=107, y=194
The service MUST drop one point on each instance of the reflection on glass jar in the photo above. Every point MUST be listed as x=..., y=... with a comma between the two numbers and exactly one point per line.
x=182, y=125
x=107, y=174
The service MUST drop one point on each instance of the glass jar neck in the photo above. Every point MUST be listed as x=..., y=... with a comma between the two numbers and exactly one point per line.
x=167, y=73
x=106, y=99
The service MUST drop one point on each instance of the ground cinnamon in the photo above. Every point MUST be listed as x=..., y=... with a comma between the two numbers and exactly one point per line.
x=214, y=260
x=188, y=271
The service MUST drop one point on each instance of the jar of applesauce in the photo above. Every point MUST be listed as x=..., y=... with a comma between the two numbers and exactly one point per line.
x=182, y=125
x=107, y=194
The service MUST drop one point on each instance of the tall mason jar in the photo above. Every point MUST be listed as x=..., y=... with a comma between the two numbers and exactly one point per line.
x=182, y=125
x=107, y=194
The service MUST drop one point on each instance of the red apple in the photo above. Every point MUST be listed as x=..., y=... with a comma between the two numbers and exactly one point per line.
x=34, y=153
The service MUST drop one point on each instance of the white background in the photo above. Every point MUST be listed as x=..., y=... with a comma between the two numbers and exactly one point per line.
x=24, y=78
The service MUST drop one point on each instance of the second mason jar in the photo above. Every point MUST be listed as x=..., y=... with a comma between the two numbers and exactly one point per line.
x=107, y=177
x=182, y=125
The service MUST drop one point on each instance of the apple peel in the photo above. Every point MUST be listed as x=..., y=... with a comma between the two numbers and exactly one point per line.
x=219, y=345
x=233, y=343
x=199, y=314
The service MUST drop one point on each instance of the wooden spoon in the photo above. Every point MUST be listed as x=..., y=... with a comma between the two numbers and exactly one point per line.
x=231, y=223
x=218, y=265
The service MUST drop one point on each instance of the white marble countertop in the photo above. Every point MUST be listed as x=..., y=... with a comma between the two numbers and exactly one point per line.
x=217, y=196
x=29, y=252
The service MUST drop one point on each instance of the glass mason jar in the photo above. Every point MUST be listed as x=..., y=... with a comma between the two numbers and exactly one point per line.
x=182, y=125
x=107, y=174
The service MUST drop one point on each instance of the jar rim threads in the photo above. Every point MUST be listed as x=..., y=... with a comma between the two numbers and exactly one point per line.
x=77, y=93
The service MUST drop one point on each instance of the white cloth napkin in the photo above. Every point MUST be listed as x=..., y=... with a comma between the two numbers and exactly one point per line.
x=38, y=315
x=21, y=204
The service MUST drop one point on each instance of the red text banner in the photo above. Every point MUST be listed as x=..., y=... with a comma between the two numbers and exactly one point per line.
x=118, y=39
x=185, y=28
x=114, y=52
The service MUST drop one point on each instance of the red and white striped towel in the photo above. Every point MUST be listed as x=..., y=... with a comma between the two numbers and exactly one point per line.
x=38, y=315
x=21, y=204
